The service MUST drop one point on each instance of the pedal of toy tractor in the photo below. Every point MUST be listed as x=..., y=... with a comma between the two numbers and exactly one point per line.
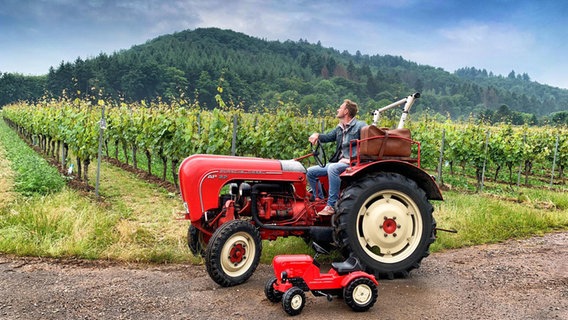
x=347, y=266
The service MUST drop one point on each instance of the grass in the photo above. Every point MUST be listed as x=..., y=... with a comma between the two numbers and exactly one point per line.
x=147, y=230
x=7, y=192
x=62, y=224
x=482, y=218
x=32, y=173
x=135, y=221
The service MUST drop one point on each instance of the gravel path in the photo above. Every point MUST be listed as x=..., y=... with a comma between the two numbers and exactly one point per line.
x=520, y=279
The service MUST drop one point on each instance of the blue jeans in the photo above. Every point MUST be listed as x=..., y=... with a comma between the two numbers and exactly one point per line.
x=332, y=171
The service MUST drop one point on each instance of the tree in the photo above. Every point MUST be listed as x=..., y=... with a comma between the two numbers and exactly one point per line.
x=503, y=114
x=559, y=118
x=14, y=87
x=207, y=89
x=173, y=83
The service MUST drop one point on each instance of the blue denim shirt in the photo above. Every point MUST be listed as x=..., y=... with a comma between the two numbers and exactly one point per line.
x=343, y=136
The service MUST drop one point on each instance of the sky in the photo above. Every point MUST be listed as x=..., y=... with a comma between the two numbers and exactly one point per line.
x=525, y=36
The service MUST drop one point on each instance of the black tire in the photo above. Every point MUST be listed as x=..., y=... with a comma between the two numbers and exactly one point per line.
x=360, y=294
x=196, y=242
x=233, y=253
x=386, y=221
x=293, y=301
x=271, y=294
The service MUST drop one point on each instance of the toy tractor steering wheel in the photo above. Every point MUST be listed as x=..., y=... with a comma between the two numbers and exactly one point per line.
x=319, y=154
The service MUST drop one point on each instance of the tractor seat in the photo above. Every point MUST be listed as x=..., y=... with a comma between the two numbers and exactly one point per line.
x=347, y=266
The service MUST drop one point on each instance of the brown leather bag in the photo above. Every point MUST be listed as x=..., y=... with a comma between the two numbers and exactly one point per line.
x=394, y=146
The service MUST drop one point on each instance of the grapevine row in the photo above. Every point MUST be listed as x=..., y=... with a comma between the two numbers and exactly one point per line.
x=169, y=133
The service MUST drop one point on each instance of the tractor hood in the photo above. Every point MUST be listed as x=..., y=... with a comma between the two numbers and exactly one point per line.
x=202, y=176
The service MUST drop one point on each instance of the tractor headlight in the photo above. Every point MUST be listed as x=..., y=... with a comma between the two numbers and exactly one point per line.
x=234, y=189
x=245, y=189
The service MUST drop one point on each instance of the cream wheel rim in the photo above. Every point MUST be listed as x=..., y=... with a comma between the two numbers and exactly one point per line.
x=237, y=255
x=389, y=226
x=362, y=294
x=296, y=301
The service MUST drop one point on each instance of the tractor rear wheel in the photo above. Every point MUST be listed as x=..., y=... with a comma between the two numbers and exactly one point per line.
x=386, y=221
x=233, y=253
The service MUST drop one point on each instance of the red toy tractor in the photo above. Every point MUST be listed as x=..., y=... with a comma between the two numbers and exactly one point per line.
x=295, y=274
x=383, y=215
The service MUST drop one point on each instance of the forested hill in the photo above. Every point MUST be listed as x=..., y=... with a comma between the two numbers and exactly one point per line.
x=254, y=73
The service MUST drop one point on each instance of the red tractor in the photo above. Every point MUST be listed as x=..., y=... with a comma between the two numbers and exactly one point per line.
x=383, y=215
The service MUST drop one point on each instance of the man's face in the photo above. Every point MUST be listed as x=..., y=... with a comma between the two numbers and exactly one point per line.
x=342, y=112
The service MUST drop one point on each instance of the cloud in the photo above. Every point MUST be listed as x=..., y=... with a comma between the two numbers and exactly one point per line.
x=271, y=20
x=494, y=46
x=486, y=37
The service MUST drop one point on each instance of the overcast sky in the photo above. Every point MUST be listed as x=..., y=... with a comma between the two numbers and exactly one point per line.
x=497, y=35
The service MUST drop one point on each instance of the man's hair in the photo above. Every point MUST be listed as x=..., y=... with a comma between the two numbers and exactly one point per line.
x=351, y=107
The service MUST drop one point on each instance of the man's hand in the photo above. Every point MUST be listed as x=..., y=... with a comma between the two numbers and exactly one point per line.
x=314, y=138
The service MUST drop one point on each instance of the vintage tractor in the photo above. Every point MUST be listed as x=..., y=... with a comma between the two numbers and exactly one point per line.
x=383, y=215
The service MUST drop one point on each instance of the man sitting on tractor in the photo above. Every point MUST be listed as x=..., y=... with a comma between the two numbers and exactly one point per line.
x=348, y=129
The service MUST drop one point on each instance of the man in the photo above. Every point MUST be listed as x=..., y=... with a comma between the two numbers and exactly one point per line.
x=348, y=129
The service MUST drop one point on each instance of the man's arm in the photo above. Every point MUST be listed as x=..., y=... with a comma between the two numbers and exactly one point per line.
x=325, y=137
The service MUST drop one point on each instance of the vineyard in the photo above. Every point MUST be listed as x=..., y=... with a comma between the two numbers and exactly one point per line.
x=156, y=137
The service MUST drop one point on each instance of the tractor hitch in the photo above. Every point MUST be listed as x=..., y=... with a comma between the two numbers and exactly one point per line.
x=447, y=230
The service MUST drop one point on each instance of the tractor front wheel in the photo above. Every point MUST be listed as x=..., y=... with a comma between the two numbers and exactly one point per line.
x=386, y=221
x=233, y=253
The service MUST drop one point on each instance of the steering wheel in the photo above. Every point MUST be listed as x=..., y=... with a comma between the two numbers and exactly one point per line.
x=319, y=154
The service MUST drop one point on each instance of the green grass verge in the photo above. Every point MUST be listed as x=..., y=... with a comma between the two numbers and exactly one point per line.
x=485, y=218
x=62, y=224
x=33, y=174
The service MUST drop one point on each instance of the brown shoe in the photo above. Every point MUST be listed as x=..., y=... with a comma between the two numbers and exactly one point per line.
x=327, y=211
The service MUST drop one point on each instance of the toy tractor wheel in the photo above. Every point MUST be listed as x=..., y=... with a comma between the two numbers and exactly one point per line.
x=196, y=241
x=233, y=253
x=386, y=221
x=360, y=294
x=293, y=301
x=271, y=294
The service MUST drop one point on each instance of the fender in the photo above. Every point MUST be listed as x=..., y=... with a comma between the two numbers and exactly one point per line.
x=421, y=177
x=357, y=274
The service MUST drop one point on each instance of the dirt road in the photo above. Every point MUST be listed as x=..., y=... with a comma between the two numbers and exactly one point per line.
x=525, y=279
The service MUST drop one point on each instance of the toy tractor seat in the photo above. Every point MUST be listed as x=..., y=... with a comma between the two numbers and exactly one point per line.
x=382, y=143
x=352, y=264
